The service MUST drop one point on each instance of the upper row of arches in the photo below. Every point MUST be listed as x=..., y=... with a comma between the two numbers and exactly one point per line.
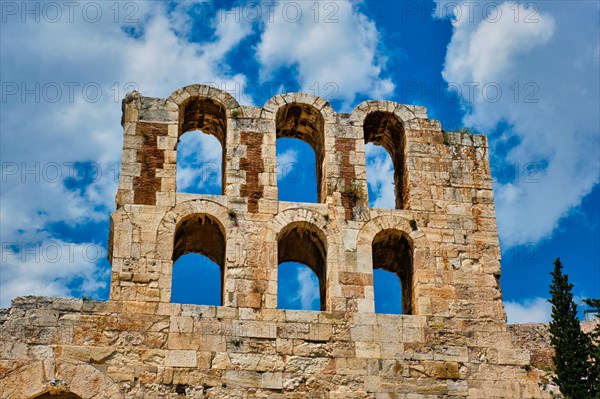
x=297, y=116
x=226, y=103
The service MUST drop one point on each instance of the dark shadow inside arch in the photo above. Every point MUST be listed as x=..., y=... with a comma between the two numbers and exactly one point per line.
x=305, y=122
x=386, y=130
x=201, y=168
x=304, y=243
x=296, y=171
x=199, y=260
x=393, y=252
x=47, y=395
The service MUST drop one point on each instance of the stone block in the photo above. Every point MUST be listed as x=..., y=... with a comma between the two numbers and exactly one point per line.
x=181, y=358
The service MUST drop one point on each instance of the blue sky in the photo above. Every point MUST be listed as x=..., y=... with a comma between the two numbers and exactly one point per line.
x=524, y=74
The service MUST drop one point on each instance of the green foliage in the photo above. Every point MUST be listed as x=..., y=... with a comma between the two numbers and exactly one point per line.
x=573, y=362
x=354, y=192
x=233, y=215
x=413, y=224
x=446, y=138
x=235, y=113
x=592, y=303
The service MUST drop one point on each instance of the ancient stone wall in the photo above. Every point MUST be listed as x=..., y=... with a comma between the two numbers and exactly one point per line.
x=535, y=338
x=452, y=342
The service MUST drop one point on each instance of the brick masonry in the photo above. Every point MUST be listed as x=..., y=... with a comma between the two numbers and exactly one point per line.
x=150, y=158
x=253, y=165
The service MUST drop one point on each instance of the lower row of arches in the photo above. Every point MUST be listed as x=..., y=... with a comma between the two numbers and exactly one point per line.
x=199, y=255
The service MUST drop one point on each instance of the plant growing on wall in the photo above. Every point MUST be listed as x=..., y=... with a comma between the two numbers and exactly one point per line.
x=354, y=192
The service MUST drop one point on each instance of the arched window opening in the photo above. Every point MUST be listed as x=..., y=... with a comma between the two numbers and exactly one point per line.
x=67, y=395
x=304, y=122
x=199, y=166
x=388, y=292
x=298, y=287
x=393, y=252
x=200, y=157
x=303, y=243
x=196, y=281
x=296, y=171
x=380, y=177
x=386, y=130
x=199, y=247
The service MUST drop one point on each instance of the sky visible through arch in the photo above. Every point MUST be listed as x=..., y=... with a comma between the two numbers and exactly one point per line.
x=525, y=74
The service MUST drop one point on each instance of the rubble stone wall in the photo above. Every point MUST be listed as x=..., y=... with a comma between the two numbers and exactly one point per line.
x=535, y=338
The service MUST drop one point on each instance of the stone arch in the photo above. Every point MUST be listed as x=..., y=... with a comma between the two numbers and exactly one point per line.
x=52, y=395
x=39, y=378
x=392, y=251
x=416, y=239
x=274, y=103
x=203, y=113
x=196, y=228
x=204, y=108
x=403, y=112
x=385, y=129
x=177, y=98
x=305, y=117
x=383, y=123
x=306, y=215
x=299, y=237
x=180, y=221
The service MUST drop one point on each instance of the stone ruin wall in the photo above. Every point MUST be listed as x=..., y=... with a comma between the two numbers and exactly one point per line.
x=452, y=342
x=535, y=338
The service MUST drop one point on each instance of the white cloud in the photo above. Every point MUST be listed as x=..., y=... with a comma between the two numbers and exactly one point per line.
x=380, y=177
x=334, y=51
x=163, y=61
x=492, y=46
x=47, y=130
x=287, y=162
x=308, y=293
x=199, y=161
x=49, y=268
x=545, y=63
x=536, y=310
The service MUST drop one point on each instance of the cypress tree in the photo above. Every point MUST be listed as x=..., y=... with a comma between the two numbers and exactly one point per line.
x=572, y=358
